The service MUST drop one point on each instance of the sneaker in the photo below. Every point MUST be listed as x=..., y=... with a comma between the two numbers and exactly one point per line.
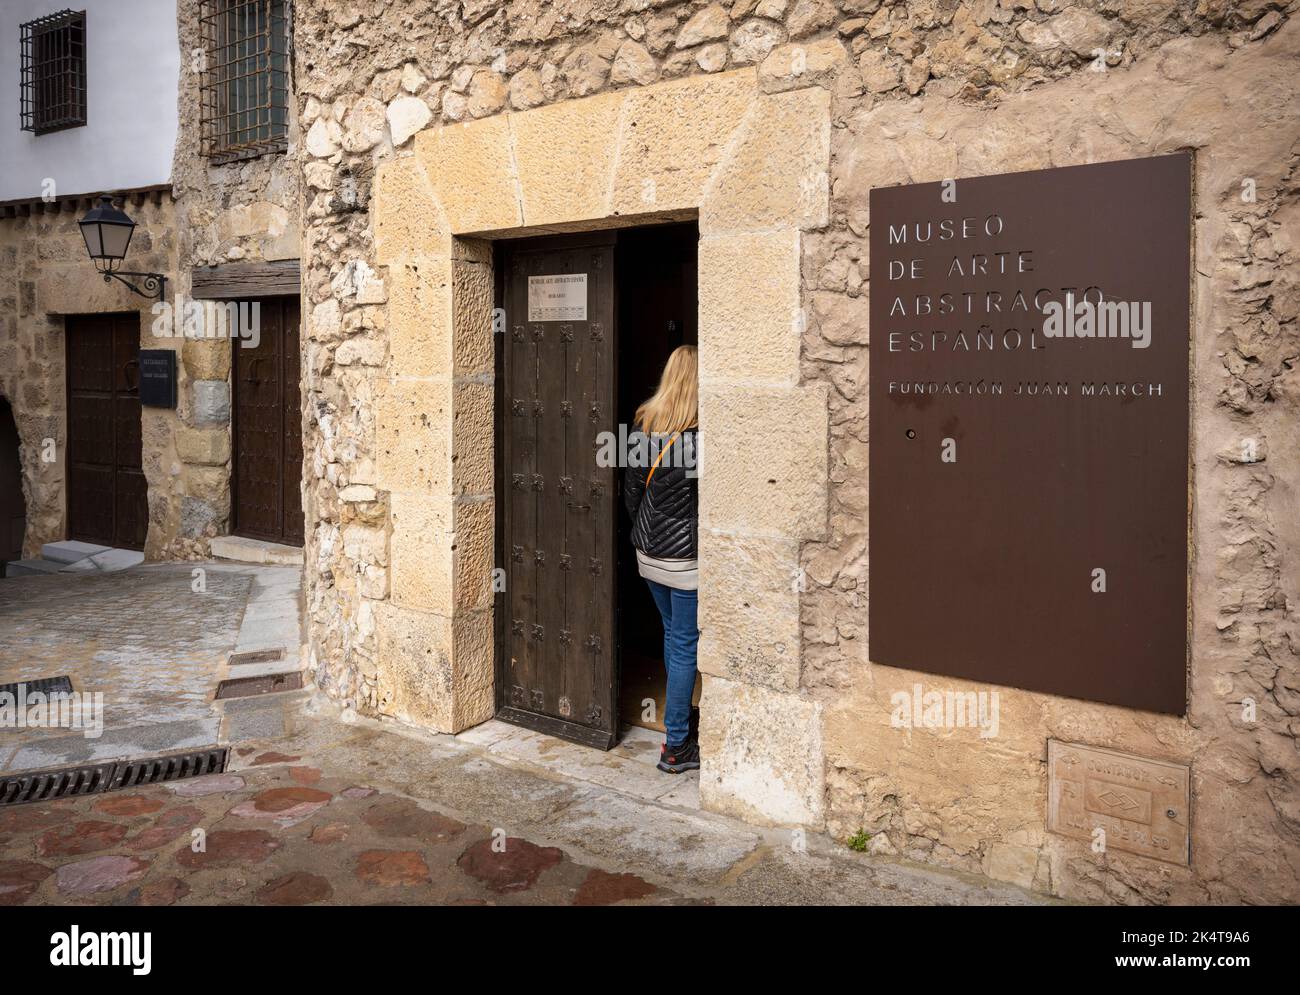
x=675, y=759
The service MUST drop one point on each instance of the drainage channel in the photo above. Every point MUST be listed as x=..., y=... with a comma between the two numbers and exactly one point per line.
x=96, y=778
x=40, y=685
x=91, y=779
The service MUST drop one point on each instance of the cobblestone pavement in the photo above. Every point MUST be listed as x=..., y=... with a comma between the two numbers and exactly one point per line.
x=283, y=832
x=319, y=806
x=351, y=811
x=153, y=640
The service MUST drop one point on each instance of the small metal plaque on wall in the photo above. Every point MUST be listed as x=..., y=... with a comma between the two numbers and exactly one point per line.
x=158, y=378
x=1116, y=801
x=1029, y=350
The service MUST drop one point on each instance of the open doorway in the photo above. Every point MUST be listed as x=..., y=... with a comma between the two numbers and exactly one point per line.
x=589, y=321
x=13, y=509
x=657, y=312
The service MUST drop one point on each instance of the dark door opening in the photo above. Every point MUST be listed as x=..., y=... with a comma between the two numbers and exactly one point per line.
x=589, y=322
x=107, y=493
x=267, y=478
x=13, y=508
x=657, y=274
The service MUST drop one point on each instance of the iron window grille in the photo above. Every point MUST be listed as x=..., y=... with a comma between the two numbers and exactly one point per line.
x=52, y=94
x=245, y=77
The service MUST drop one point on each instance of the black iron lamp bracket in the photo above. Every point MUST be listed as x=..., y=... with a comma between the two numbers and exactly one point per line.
x=154, y=284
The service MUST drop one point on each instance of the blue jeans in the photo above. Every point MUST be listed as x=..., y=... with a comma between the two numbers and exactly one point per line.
x=681, y=635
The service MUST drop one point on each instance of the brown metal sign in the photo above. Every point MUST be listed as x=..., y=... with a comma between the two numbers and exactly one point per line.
x=1029, y=429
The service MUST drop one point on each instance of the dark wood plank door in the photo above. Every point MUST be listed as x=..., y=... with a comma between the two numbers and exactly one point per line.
x=267, y=474
x=556, y=625
x=107, y=493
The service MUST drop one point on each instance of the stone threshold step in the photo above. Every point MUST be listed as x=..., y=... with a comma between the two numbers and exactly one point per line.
x=31, y=568
x=244, y=550
x=75, y=557
x=107, y=561
x=70, y=550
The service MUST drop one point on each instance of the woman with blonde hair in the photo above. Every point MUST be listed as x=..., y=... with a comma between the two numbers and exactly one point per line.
x=662, y=497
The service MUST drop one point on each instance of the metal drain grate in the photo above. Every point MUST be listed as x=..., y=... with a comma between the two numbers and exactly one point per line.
x=43, y=785
x=43, y=685
x=91, y=779
x=131, y=773
x=248, y=687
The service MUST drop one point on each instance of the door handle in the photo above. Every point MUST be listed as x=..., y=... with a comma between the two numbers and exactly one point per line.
x=126, y=374
x=252, y=371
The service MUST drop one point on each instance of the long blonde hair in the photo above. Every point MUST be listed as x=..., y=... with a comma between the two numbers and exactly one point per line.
x=675, y=406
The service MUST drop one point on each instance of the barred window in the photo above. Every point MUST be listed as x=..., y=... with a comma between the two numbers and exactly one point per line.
x=245, y=88
x=52, y=95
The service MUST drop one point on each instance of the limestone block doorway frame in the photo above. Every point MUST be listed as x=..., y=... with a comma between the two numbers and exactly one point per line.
x=753, y=168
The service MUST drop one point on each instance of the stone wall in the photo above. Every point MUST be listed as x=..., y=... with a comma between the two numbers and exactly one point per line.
x=669, y=150
x=240, y=212
x=794, y=724
x=948, y=795
x=246, y=211
x=45, y=274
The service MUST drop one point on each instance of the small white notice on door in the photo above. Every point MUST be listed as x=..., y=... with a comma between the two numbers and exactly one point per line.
x=560, y=297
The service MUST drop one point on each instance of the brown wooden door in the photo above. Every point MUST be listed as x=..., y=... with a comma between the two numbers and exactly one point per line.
x=268, y=427
x=107, y=494
x=556, y=635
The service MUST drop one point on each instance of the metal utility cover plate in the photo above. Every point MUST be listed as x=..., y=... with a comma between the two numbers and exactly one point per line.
x=984, y=564
x=1143, y=806
x=256, y=656
x=248, y=687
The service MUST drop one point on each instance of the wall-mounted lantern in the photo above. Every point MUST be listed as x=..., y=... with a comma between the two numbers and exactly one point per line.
x=107, y=232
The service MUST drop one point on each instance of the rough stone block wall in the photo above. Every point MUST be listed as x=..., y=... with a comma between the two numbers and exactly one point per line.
x=433, y=390
x=1233, y=97
x=45, y=275
x=247, y=211
x=915, y=91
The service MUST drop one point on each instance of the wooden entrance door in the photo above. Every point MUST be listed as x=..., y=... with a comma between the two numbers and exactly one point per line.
x=556, y=634
x=107, y=494
x=267, y=475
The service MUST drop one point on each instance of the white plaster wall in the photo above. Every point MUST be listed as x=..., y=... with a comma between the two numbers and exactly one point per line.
x=132, y=67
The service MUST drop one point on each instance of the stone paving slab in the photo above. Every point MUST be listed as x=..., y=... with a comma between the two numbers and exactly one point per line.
x=272, y=608
x=685, y=795
x=117, y=559
x=140, y=741
x=616, y=827
x=610, y=769
x=269, y=633
x=71, y=550
x=86, y=565
x=286, y=666
x=473, y=782
x=487, y=733
x=15, y=569
x=240, y=549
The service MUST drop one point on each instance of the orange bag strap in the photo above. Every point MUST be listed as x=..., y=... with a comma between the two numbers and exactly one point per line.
x=651, y=475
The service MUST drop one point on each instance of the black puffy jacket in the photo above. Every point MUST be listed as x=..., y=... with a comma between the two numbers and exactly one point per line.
x=664, y=514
